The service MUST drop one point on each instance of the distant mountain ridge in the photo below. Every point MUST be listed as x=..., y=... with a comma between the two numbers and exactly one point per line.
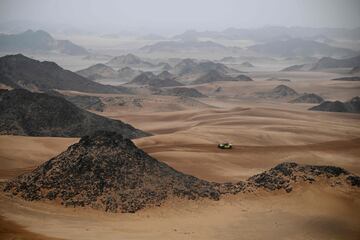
x=19, y=71
x=38, y=41
x=300, y=47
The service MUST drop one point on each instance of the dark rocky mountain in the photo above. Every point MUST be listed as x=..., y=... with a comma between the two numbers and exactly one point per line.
x=38, y=41
x=98, y=71
x=127, y=74
x=271, y=33
x=308, y=98
x=187, y=46
x=280, y=91
x=38, y=114
x=164, y=66
x=179, y=91
x=353, y=78
x=352, y=106
x=300, y=47
x=328, y=62
x=166, y=75
x=215, y=76
x=191, y=67
x=129, y=60
x=108, y=172
x=18, y=71
x=150, y=79
x=87, y=102
x=298, y=68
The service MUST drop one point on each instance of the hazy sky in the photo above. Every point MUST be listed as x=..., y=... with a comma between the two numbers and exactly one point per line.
x=178, y=15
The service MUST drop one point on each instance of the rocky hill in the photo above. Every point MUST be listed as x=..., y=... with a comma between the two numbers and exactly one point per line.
x=126, y=74
x=18, y=71
x=108, y=172
x=38, y=41
x=352, y=106
x=39, y=114
x=308, y=98
x=179, y=91
x=280, y=91
x=98, y=71
x=246, y=64
x=150, y=79
x=327, y=62
x=129, y=60
x=191, y=67
x=216, y=76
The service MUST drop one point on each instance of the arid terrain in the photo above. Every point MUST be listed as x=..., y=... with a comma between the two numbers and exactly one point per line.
x=179, y=120
x=263, y=133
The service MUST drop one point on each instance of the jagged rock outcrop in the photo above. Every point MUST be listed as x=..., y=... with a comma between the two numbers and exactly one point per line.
x=38, y=114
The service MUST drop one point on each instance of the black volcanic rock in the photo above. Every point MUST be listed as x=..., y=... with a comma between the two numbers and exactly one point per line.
x=108, y=172
x=38, y=114
x=38, y=41
x=308, y=98
x=18, y=71
x=352, y=106
x=285, y=175
x=179, y=91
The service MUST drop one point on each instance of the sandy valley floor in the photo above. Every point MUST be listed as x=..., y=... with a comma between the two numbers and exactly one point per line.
x=264, y=133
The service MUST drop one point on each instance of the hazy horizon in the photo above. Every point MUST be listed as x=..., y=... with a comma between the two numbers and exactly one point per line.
x=169, y=17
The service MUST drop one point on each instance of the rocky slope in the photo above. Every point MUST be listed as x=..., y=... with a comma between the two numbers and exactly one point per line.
x=280, y=91
x=150, y=79
x=39, y=114
x=308, y=98
x=98, y=71
x=108, y=172
x=18, y=71
x=129, y=60
x=352, y=106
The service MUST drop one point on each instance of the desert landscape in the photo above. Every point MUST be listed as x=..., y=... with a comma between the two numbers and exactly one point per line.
x=116, y=134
